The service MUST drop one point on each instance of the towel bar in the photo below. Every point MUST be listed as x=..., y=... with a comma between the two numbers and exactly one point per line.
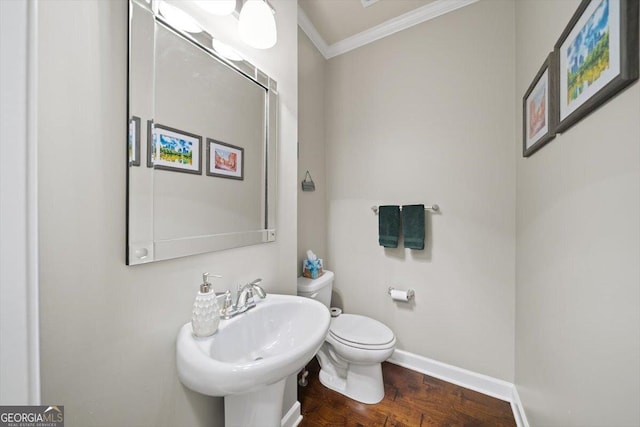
x=432, y=208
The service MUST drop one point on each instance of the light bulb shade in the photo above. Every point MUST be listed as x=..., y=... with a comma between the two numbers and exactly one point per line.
x=225, y=50
x=217, y=7
x=179, y=18
x=257, y=24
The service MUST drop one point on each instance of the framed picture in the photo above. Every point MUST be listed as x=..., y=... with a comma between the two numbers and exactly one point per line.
x=149, y=143
x=597, y=57
x=539, y=109
x=224, y=160
x=174, y=150
x=134, y=141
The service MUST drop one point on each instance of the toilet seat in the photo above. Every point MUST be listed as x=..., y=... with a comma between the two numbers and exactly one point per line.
x=361, y=332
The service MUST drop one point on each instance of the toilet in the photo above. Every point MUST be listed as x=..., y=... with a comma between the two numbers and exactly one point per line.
x=354, y=349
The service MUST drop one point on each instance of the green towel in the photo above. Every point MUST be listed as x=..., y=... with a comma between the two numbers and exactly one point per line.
x=388, y=226
x=413, y=226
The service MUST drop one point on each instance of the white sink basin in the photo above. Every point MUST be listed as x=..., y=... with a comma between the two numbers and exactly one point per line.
x=258, y=348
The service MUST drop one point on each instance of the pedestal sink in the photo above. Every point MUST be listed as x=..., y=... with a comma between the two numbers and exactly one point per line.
x=248, y=359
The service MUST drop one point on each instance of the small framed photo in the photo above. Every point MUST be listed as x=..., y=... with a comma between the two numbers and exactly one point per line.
x=539, y=109
x=134, y=141
x=174, y=150
x=597, y=57
x=149, y=143
x=224, y=160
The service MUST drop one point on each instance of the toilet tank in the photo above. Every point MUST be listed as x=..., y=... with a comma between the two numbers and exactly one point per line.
x=319, y=289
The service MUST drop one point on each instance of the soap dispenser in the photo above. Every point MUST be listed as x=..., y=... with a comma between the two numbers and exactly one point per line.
x=206, y=313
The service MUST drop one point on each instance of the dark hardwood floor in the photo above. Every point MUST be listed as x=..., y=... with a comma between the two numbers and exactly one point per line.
x=410, y=399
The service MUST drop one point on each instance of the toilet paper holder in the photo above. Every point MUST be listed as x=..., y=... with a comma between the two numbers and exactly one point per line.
x=398, y=295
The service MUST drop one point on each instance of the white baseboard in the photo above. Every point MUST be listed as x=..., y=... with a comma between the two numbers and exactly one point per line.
x=481, y=383
x=518, y=409
x=293, y=417
x=484, y=384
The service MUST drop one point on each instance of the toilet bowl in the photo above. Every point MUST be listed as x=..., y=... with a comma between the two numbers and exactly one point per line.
x=355, y=346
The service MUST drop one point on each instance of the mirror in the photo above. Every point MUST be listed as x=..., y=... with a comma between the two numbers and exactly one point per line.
x=201, y=144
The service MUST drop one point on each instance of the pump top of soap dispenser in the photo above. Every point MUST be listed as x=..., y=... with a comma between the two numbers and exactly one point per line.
x=205, y=287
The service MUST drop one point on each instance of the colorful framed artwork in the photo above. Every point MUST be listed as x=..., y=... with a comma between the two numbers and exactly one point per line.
x=597, y=57
x=174, y=150
x=539, y=109
x=224, y=160
x=134, y=141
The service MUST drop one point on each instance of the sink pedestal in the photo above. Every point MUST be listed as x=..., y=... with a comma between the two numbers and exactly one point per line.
x=262, y=407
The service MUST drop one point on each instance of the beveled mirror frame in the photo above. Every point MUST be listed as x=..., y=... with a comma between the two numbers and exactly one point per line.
x=145, y=248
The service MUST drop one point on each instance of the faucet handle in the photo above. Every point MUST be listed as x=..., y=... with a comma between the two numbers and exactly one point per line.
x=228, y=301
x=255, y=286
x=258, y=290
x=228, y=310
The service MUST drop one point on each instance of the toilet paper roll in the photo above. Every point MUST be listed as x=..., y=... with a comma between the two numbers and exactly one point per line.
x=335, y=312
x=398, y=295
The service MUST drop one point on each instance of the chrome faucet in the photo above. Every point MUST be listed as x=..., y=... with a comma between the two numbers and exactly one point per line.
x=245, y=295
x=244, y=299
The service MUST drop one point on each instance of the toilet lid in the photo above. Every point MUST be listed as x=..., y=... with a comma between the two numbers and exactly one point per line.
x=360, y=330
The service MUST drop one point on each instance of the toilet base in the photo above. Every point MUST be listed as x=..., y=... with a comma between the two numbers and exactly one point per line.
x=362, y=383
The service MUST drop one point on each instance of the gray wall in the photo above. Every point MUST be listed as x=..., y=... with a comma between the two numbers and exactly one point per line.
x=578, y=252
x=426, y=116
x=312, y=206
x=107, y=330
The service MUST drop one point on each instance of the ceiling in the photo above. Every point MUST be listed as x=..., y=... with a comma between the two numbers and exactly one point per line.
x=336, y=20
x=339, y=26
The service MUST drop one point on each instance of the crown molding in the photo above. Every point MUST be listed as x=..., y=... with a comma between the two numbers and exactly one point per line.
x=387, y=28
x=310, y=30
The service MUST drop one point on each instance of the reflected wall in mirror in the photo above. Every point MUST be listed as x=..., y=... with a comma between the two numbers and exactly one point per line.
x=205, y=129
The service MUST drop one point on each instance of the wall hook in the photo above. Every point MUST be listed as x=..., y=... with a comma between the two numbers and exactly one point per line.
x=308, y=184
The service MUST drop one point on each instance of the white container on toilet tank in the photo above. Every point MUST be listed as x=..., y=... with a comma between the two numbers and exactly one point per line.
x=355, y=346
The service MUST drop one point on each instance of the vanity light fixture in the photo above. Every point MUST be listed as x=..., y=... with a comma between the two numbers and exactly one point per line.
x=217, y=7
x=257, y=24
x=178, y=18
